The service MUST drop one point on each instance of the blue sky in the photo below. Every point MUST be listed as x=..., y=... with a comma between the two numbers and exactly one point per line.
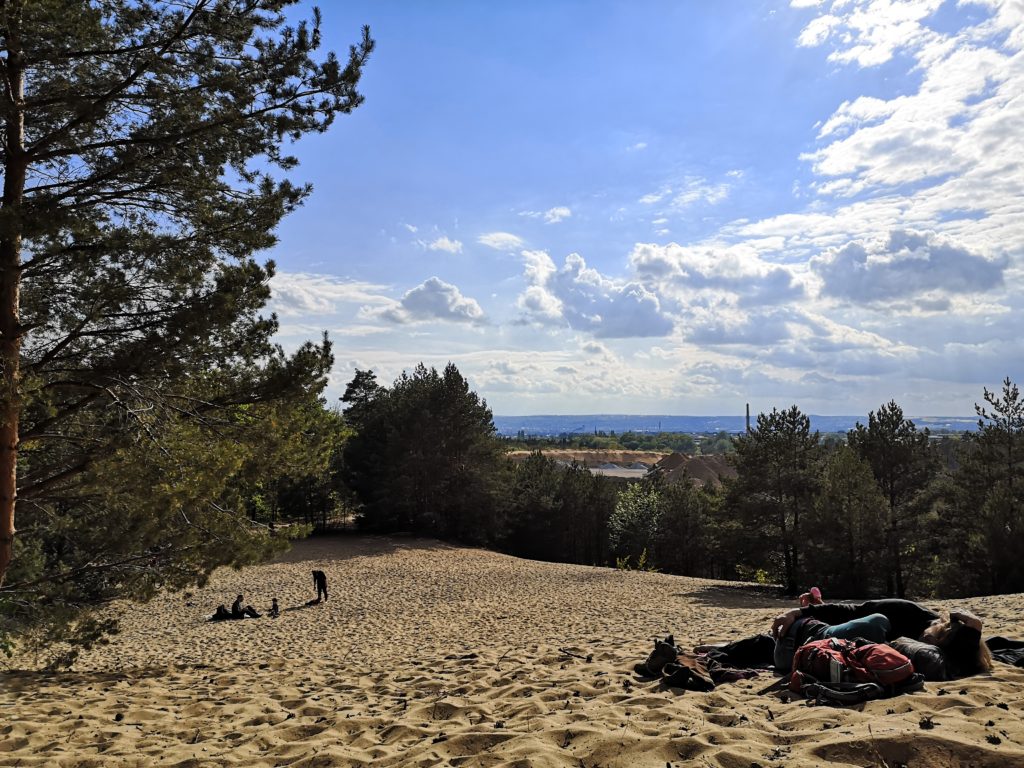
x=672, y=207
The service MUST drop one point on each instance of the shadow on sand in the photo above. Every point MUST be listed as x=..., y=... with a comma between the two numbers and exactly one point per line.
x=348, y=547
x=736, y=596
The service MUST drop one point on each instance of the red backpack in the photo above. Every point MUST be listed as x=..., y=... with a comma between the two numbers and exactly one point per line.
x=832, y=664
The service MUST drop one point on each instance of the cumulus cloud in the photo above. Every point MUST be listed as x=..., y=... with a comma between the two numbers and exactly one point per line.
x=585, y=300
x=735, y=269
x=444, y=243
x=551, y=215
x=434, y=299
x=501, y=241
x=595, y=348
x=904, y=264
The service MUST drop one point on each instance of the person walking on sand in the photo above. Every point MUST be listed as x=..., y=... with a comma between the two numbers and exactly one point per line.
x=320, y=582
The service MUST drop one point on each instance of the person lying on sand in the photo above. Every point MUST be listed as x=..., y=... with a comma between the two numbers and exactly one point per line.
x=945, y=647
x=941, y=647
x=236, y=612
x=811, y=597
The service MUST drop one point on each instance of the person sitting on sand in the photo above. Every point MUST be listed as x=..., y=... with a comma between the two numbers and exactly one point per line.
x=274, y=610
x=943, y=647
x=238, y=612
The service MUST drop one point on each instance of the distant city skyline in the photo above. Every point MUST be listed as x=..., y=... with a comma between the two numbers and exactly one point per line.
x=665, y=207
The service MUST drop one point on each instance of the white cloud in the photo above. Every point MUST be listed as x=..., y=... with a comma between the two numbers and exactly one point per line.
x=870, y=32
x=654, y=197
x=444, y=243
x=695, y=189
x=555, y=215
x=690, y=190
x=904, y=264
x=551, y=215
x=595, y=348
x=501, y=241
x=640, y=145
x=434, y=299
x=583, y=299
x=735, y=271
x=295, y=294
x=411, y=227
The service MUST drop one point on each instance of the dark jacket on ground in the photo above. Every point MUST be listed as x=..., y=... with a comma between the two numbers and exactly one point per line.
x=1006, y=650
x=908, y=619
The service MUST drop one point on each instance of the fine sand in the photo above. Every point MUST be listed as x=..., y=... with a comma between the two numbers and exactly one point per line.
x=428, y=654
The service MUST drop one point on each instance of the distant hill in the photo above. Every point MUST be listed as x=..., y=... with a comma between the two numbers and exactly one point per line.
x=619, y=423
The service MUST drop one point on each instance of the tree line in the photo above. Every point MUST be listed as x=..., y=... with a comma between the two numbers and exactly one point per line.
x=887, y=511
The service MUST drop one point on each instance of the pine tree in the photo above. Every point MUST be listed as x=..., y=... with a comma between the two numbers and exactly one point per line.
x=982, y=521
x=845, y=529
x=423, y=455
x=903, y=466
x=142, y=144
x=777, y=465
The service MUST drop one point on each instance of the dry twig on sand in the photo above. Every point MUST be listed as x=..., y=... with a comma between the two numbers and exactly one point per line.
x=588, y=658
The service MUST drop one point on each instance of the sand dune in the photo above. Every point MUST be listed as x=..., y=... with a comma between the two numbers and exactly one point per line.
x=429, y=655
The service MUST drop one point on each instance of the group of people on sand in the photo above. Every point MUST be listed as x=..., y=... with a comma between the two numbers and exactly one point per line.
x=940, y=646
x=240, y=611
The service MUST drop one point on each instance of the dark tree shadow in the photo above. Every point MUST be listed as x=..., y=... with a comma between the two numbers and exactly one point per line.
x=736, y=596
x=349, y=547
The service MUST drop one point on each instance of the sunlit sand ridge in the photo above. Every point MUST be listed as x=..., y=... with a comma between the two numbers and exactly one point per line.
x=427, y=654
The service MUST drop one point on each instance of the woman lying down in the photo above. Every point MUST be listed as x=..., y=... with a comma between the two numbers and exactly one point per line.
x=940, y=647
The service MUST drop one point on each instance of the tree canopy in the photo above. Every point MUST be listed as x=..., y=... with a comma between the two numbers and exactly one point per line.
x=423, y=456
x=144, y=160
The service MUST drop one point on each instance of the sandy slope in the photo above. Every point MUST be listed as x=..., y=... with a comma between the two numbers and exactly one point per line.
x=433, y=655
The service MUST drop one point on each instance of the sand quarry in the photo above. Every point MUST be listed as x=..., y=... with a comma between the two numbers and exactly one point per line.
x=427, y=654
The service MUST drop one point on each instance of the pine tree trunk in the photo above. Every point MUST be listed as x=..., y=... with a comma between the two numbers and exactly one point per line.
x=10, y=286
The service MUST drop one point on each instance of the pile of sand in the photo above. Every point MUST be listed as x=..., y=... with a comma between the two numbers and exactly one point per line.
x=429, y=655
x=707, y=470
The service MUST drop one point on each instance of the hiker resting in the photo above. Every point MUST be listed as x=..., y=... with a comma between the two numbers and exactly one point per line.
x=320, y=582
x=941, y=647
x=238, y=612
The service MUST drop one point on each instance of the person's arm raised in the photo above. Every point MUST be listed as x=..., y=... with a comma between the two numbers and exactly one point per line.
x=782, y=622
x=966, y=618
